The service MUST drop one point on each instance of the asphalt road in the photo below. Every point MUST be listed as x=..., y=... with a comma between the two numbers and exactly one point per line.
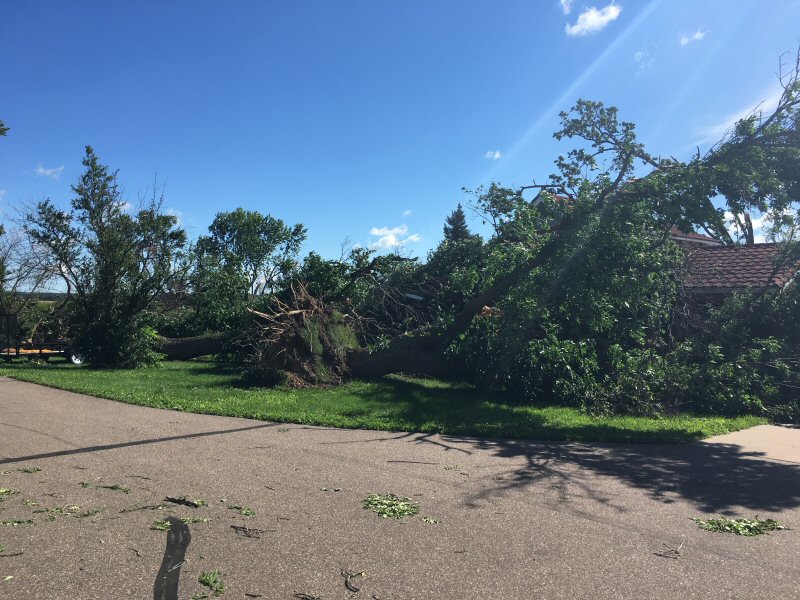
x=516, y=519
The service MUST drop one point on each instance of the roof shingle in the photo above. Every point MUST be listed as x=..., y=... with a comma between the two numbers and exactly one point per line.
x=736, y=267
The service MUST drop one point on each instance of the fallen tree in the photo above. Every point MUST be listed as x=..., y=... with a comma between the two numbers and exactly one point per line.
x=190, y=347
x=755, y=167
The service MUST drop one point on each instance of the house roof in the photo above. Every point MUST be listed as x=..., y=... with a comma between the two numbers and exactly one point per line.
x=678, y=235
x=729, y=268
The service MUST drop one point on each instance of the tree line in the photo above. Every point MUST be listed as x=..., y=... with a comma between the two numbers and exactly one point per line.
x=575, y=297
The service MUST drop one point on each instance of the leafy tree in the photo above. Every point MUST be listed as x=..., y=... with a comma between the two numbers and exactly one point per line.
x=116, y=264
x=372, y=289
x=455, y=271
x=262, y=247
x=322, y=278
x=455, y=226
x=219, y=295
x=3, y=128
x=582, y=327
x=753, y=168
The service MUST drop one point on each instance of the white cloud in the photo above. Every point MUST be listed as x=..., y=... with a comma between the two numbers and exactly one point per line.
x=592, y=20
x=402, y=230
x=406, y=213
x=175, y=213
x=694, y=37
x=566, y=6
x=762, y=227
x=714, y=133
x=126, y=207
x=643, y=60
x=3, y=193
x=53, y=173
x=391, y=237
x=493, y=155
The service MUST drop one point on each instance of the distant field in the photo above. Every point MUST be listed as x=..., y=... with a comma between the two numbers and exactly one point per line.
x=394, y=403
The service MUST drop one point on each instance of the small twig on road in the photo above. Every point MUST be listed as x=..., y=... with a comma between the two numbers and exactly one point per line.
x=670, y=552
x=184, y=501
x=249, y=532
x=143, y=507
x=348, y=575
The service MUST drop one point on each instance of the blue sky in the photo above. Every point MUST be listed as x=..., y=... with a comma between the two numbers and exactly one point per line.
x=360, y=119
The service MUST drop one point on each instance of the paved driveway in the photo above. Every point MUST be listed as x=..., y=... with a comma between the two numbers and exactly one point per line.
x=517, y=519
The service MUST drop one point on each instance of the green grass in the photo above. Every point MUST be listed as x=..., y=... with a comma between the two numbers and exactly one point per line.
x=393, y=403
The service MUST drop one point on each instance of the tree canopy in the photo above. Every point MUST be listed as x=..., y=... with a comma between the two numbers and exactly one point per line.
x=455, y=226
x=262, y=247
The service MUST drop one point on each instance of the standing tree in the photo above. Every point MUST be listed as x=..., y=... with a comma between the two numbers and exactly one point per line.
x=455, y=226
x=264, y=249
x=3, y=128
x=116, y=264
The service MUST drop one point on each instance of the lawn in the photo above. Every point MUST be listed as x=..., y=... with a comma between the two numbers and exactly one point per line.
x=393, y=403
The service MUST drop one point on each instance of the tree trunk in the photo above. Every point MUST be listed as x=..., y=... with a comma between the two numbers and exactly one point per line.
x=421, y=355
x=191, y=347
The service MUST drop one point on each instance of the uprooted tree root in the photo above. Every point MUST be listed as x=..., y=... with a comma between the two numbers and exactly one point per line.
x=302, y=343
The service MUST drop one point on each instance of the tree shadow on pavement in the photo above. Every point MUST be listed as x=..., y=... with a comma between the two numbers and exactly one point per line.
x=717, y=478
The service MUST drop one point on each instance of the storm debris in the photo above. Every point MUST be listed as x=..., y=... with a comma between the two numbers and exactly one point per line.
x=184, y=501
x=243, y=510
x=348, y=577
x=104, y=486
x=213, y=581
x=249, y=532
x=142, y=507
x=390, y=505
x=670, y=552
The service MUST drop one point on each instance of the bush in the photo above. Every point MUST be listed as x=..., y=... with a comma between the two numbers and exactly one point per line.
x=745, y=358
